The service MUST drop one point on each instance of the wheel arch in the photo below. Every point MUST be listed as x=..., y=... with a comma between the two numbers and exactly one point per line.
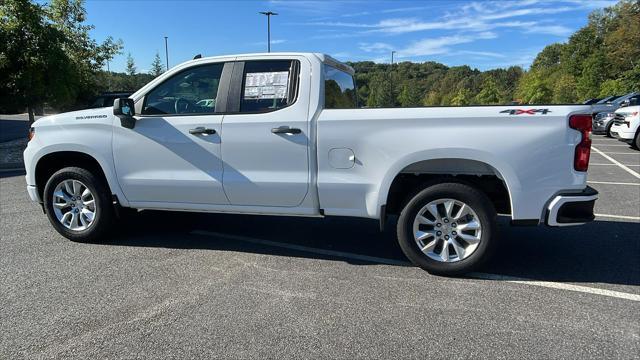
x=462, y=165
x=52, y=161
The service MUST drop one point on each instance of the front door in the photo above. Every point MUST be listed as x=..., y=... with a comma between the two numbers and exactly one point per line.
x=265, y=132
x=173, y=155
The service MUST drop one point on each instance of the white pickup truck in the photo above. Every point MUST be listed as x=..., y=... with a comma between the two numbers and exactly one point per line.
x=281, y=134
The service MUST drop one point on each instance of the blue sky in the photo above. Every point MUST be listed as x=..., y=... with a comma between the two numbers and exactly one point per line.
x=482, y=34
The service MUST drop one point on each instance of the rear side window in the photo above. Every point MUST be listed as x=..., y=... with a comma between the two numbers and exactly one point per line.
x=339, y=89
x=192, y=91
x=268, y=85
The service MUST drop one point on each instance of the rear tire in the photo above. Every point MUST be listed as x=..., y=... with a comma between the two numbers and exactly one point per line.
x=78, y=204
x=469, y=239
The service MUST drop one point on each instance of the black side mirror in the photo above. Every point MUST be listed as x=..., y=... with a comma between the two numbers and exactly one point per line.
x=625, y=103
x=125, y=109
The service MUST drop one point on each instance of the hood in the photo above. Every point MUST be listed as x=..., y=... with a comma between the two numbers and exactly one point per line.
x=100, y=115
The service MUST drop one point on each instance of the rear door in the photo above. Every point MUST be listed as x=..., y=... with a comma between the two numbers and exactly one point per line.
x=265, y=130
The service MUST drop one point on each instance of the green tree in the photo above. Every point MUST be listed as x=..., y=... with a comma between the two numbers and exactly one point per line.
x=489, y=93
x=533, y=89
x=564, y=90
x=47, y=54
x=156, y=66
x=613, y=87
x=131, y=66
x=463, y=97
x=410, y=95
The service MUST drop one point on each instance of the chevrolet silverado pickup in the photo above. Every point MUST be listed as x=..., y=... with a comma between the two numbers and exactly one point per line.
x=282, y=134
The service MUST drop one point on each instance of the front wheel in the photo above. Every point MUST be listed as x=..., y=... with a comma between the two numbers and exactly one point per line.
x=77, y=204
x=447, y=228
x=636, y=141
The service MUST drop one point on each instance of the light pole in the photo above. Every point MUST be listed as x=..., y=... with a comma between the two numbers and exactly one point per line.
x=268, y=14
x=392, y=52
x=166, y=51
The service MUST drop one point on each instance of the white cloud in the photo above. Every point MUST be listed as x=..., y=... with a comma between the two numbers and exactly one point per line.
x=557, y=30
x=375, y=47
x=441, y=45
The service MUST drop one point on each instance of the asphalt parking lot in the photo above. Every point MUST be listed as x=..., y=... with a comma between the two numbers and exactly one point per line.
x=179, y=285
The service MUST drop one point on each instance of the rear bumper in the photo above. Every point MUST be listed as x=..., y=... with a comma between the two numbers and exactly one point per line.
x=572, y=208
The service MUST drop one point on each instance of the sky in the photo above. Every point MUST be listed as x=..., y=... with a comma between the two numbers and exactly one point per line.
x=481, y=34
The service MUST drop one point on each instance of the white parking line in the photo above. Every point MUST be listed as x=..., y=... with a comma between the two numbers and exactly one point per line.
x=595, y=164
x=347, y=255
x=604, y=144
x=613, y=183
x=625, y=168
x=619, y=153
x=618, y=216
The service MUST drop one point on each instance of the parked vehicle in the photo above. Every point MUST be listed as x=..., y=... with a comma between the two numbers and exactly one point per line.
x=106, y=99
x=603, y=121
x=626, y=125
x=285, y=137
x=591, y=101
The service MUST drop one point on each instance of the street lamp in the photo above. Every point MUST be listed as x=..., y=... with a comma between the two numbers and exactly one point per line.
x=166, y=51
x=268, y=14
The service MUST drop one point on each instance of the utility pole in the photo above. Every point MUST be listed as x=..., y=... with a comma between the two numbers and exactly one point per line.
x=268, y=14
x=392, y=52
x=166, y=51
x=391, y=75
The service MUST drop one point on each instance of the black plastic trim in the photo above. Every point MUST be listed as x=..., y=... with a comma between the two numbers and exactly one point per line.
x=525, y=222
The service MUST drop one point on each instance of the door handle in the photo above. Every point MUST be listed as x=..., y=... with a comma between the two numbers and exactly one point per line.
x=286, y=130
x=201, y=130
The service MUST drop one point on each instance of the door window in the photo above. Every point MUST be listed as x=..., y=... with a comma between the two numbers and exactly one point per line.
x=339, y=89
x=192, y=91
x=268, y=85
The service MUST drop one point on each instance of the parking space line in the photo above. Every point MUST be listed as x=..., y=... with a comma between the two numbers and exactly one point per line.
x=557, y=285
x=625, y=217
x=619, y=153
x=617, y=163
x=613, y=183
x=374, y=259
x=594, y=164
x=603, y=144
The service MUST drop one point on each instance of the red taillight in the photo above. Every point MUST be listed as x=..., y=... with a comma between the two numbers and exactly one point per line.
x=582, y=123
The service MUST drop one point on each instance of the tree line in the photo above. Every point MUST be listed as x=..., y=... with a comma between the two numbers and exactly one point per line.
x=47, y=56
x=598, y=60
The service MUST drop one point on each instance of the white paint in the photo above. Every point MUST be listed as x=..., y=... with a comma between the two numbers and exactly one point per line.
x=612, y=183
x=625, y=217
x=610, y=165
x=624, y=167
x=619, y=153
x=557, y=285
x=341, y=254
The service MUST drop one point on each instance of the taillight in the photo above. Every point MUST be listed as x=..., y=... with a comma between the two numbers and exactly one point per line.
x=582, y=123
x=32, y=133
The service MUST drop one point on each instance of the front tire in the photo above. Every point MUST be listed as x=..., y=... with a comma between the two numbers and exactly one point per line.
x=636, y=141
x=607, y=132
x=447, y=228
x=78, y=204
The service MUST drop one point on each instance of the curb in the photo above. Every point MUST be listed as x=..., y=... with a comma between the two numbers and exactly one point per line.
x=12, y=166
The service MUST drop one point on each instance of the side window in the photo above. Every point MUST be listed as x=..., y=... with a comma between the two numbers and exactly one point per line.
x=192, y=91
x=268, y=85
x=339, y=89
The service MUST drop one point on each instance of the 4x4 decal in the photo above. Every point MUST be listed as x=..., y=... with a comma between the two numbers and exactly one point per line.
x=525, y=111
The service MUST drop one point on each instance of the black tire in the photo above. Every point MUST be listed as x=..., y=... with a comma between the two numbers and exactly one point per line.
x=465, y=193
x=103, y=204
x=607, y=132
x=636, y=141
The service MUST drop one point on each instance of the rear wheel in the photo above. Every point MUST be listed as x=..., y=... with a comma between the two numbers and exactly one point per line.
x=77, y=204
x=447, y=228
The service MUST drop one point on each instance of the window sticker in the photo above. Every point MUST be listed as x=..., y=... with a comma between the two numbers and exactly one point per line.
x=266, y=85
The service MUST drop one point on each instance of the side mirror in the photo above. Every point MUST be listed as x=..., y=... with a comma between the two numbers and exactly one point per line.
x=125, y=109
x=625, y=103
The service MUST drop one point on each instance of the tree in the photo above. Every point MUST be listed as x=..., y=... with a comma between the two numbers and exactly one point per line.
x=131, y=65
x=410, y=95
x=463, y=97
x=533, y=89
x=156, y=66
x=47, y=54
x=564, y=90
x=489, y=93
x=613, y=87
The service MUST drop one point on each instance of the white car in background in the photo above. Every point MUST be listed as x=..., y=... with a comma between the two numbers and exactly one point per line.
x=626, y=126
